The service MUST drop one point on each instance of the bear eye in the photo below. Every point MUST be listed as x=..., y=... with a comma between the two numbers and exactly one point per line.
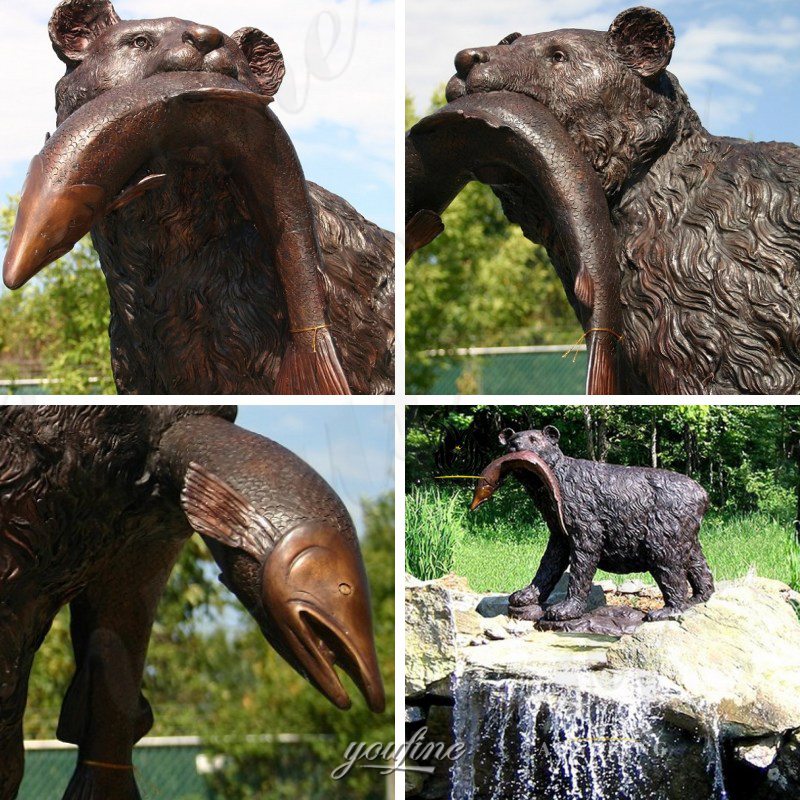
x=142, y=42
x=559, y=56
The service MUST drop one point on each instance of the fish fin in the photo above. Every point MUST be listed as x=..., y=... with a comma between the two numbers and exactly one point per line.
x=422, y=229
x=584, y=288
x=137, y=190
x=216, y=510
x=310, y=365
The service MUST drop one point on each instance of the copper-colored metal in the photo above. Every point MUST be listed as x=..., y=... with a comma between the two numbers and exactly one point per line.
x=494, y=474
x=96, y=503
x=228, y=272
x=514, y=143
x=678, y=250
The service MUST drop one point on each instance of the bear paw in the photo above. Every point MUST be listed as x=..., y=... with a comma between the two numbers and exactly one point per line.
x=529, y=596
x=566, y=609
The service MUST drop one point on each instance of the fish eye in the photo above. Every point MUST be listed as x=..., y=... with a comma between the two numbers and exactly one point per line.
x=345, y=588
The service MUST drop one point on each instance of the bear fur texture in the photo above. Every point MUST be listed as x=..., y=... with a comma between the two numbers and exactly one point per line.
x=707, y=227
x=619, y=519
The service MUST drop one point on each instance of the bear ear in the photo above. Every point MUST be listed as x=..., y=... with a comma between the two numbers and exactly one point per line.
x=264, y=56
x=506, y=435
x=551, y=432
x=75, y=24
x=643, y=38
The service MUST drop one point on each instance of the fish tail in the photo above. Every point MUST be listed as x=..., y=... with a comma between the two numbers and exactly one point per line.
x=602, y=377
x=310, y=365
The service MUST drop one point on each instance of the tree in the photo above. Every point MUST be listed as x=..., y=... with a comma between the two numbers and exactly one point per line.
x=480, y=283
x=59, y=321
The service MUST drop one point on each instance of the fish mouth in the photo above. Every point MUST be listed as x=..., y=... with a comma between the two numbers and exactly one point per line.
x=316, y=607
x=321, y=644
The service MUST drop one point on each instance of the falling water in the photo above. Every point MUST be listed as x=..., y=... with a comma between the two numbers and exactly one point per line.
x=530, y=739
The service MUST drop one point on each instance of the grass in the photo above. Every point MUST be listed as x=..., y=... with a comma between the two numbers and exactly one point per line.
x=433, y=527
x=498, y=547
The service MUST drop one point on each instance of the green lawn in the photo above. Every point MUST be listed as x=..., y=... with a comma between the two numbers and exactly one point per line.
x=498, y=547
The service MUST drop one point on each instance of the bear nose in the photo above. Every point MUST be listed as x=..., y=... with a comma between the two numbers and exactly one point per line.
x=203, y=37
x=467, y=59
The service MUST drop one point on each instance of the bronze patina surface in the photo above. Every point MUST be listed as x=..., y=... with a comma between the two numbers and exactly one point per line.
x=96, y=503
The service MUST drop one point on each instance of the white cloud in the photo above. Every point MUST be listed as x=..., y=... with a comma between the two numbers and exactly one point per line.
x=350, y=41
x=722, y=60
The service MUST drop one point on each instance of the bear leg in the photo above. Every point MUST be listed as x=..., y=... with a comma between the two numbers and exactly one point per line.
x=672, y=580
x=551, y=568
x=700, y=578
x=582, y=567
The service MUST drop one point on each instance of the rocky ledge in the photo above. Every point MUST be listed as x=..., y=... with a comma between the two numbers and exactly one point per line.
x=723, y=682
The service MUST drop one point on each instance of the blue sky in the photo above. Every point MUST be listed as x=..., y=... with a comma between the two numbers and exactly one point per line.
x=739, y=61
x=352, y=447
x=334, y=100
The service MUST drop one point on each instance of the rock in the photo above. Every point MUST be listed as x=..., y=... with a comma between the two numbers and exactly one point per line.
x=464, y=639
x=607, y=621
x=495, y=634
x=759, y=753
x=439, y=732
x=608, y=586
x=469, y=622
x=784, y=774
x=737, y=653
x=597, y=597
x=651, y=592
x=414, y=714
x=430, y=637
x=539, y=654
x=630, y=587
x=493, y=605
x=453, y=582
x=410, y=580
x=519, y=627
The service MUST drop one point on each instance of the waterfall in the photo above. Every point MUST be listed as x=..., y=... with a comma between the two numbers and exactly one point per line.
x=579, y=737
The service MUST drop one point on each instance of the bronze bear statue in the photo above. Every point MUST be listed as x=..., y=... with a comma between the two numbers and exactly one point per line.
x=96, y=503
x=228, y=272
x=604, y=516
x=678, y=250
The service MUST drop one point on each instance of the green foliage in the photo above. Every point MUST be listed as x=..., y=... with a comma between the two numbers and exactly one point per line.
x=480, y=283
x=59, y=320
x=433, y=526
x=276, y=700
x=746, y=457
x=504, y=561
x=210, y=673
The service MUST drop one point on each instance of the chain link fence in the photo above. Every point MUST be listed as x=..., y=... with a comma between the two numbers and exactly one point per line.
x=166, y=768
x=545, y=369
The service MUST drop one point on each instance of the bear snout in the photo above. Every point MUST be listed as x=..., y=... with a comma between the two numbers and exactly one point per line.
x=466, y=59
x=485, y=77
x=204, y=38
